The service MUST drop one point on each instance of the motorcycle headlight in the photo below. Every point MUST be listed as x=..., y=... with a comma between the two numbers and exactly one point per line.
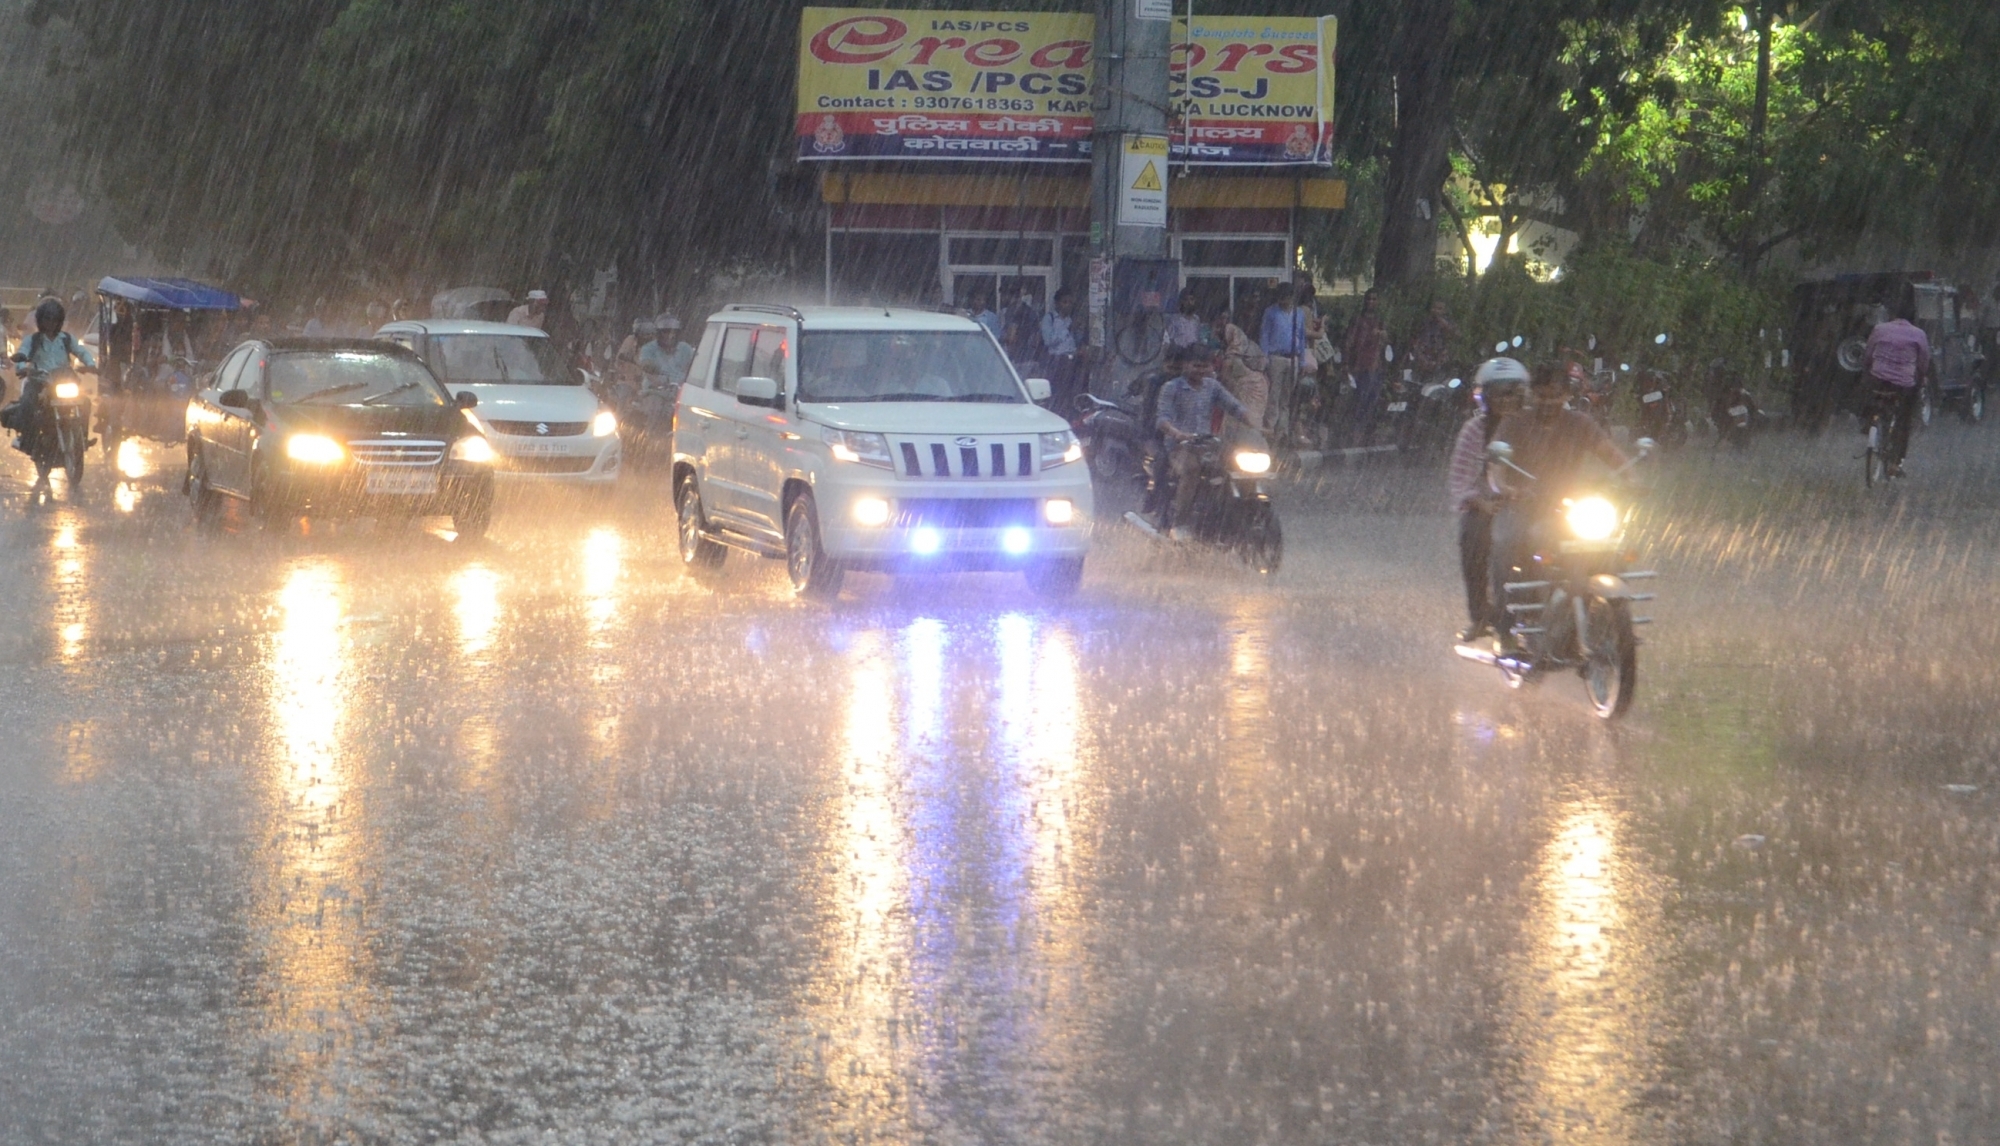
x=475, y=449
x=314, y=449
x=1060, y=448
x=68, y=391
x=862, y=449
x=1592, y=518
x=1253, y=462
x=604, y=424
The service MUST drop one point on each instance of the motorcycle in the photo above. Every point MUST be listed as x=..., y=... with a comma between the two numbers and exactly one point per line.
x=1232, y=507
x=1594, y=385
x=52, y=421
x=1402, y=411
x=1733, y=410
x=1114, y=442
x=1443, y=405
x=1573, y=605
x=1663, y=414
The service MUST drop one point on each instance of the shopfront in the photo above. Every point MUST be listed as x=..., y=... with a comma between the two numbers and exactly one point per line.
x=955, y=147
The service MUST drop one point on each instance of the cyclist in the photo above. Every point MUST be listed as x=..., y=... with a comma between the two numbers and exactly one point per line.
x=1899, y=363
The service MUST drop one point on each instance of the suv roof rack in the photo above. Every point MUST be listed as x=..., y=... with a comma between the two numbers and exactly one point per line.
x=790, y=312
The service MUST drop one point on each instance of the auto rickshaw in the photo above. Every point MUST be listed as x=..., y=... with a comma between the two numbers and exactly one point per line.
x=156, y=339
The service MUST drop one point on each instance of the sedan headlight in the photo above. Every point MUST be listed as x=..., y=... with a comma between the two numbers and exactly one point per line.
x=68, y=391
x=314, y=449
x=862, y=449
x=475, y=449
x=604, y=424
x=1060, y=448
x=1592, y=518
x=1253, y=462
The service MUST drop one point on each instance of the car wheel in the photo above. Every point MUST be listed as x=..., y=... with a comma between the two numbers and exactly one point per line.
x=471, y=521
x=1057, y=578
x=813, y=573
x=207, y=501
x=697, y=552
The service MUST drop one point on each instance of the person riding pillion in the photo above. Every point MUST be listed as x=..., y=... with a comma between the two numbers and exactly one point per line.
x=1500, y=383
x=1186, y=412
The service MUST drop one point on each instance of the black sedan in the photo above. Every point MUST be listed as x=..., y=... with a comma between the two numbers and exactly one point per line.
x=315, y=427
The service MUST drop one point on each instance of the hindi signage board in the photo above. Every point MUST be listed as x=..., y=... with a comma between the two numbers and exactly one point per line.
x=944, y=85
x=891, y=84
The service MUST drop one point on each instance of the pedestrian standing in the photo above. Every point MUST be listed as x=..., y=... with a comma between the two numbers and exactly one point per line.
x=1059, y=351
x=984, y=314
x=1185, y=328
x=1365, y=342
x=1243, y=364
x=1283, y=337
x=534, y=312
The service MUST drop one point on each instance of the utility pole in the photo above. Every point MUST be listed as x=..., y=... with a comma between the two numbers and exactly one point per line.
x=1129, y=112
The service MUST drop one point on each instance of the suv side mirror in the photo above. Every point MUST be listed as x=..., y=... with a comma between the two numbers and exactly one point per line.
x=467, y=399
x=235, y=400
x=1039, y=389
x=755, y=391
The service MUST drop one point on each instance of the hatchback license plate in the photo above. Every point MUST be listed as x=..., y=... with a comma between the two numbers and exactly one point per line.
x=1653, y=397
x=403, y=482
x=1398, y=407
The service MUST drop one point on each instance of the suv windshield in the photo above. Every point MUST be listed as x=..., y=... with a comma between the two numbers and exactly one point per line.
x=352, y=378
x=508, y=359
x=904, y=366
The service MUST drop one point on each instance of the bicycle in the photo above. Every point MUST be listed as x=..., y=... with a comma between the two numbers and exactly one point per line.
x=1883, y=415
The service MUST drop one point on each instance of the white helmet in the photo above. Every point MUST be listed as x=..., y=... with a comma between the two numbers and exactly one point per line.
x=1500, y=372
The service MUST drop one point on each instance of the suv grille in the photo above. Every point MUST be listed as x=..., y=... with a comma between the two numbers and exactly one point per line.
x=966, y=457
x=397, y=452
x=536, y=430
x=965, y=512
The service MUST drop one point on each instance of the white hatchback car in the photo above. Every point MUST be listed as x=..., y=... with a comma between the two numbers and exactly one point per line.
x=887, y=440
x=546, y=425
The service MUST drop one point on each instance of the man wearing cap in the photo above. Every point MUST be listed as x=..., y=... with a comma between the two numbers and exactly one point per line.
x=664, y=361
x=533, y=312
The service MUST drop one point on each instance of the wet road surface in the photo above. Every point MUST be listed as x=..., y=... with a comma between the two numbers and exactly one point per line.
x=371, y=836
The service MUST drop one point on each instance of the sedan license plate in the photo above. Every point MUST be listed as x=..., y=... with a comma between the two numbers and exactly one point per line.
x=411, y=482
x=1653, y=397
x=1398, y=407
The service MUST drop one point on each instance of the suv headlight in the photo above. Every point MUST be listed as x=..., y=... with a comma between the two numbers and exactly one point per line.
x=1060, y=448
x=1592, y=518
x=473, y=448
x=863, y=449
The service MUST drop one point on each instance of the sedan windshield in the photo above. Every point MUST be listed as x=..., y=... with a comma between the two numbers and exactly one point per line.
x=352, y=378
x=904, y=366
x=506, y=359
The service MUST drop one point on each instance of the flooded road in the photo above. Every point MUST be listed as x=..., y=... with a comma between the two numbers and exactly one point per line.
x=369, y=836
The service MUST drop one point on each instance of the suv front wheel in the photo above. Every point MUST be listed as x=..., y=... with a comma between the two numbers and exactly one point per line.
x=813, y=573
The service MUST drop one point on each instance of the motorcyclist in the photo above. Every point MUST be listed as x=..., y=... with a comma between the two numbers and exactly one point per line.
x=664, y=362
x=1499, y=382
x=1553, y=443
x=1187, y=410
x=48, y=349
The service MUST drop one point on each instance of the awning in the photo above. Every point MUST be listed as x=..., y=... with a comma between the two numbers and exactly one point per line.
x=179, y=294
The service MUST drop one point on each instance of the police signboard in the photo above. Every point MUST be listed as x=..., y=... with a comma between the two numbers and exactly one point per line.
x=889, y=84
x=1142, y=200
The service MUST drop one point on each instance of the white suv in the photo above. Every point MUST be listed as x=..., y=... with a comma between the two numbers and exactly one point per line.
x=888, y=440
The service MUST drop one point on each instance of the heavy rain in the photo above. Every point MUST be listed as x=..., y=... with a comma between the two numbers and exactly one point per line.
x=1255, y=572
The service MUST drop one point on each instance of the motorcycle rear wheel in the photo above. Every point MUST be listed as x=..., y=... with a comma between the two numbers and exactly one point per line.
x=1611, y=663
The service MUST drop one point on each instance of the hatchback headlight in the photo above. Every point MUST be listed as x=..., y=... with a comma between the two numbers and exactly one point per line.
x=1592, y=518
x=475, y=449
x=604, y=424
x=1060, y=448
x=862, y=449
x=1253, y=462
x=314, y=449
x=68, y=391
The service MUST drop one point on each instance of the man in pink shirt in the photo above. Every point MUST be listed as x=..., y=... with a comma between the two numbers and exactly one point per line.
x=1899, y=362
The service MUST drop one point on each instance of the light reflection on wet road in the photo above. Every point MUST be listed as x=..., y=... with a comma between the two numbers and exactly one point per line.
x=370, y=836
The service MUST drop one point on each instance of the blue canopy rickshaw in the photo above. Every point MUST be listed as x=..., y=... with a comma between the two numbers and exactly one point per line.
x=156, y=337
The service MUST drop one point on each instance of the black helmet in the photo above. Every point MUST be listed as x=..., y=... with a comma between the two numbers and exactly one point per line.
x=49, y=316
